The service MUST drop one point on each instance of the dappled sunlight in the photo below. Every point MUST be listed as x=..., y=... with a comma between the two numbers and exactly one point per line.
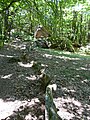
x=44, y=65
x=22, y=79
x=8, y=107
x=18, y=45
x=64, y=114
x=26, y=65
x=22, y=46
x=6, y=76
x=65, y=105
x=64, y=57
x=77, y=76
x=60, y=57
x=82, y=68
x=8, y=56
x=75, y=63
x=85, y=81
x=2, y=55
x=48, y=56
x=68, y=90
x=29, y=117
x=32, y=77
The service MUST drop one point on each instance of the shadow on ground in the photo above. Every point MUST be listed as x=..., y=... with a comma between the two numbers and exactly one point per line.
x=20, y=88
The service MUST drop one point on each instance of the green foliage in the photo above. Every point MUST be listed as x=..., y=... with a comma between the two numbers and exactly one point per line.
x=1, y=44
x=66, y=44
x=62, y=19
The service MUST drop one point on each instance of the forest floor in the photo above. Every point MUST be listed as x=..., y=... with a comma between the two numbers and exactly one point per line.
x=22, y=98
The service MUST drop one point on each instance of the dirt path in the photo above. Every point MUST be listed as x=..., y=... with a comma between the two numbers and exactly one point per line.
x=20, y=89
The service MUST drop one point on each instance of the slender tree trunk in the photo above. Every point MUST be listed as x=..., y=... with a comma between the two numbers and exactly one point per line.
x=5, y=17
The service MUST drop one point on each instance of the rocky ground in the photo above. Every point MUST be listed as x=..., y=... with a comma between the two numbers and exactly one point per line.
x=21, y=91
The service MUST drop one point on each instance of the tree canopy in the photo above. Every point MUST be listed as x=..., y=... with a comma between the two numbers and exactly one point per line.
x=67, y=21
